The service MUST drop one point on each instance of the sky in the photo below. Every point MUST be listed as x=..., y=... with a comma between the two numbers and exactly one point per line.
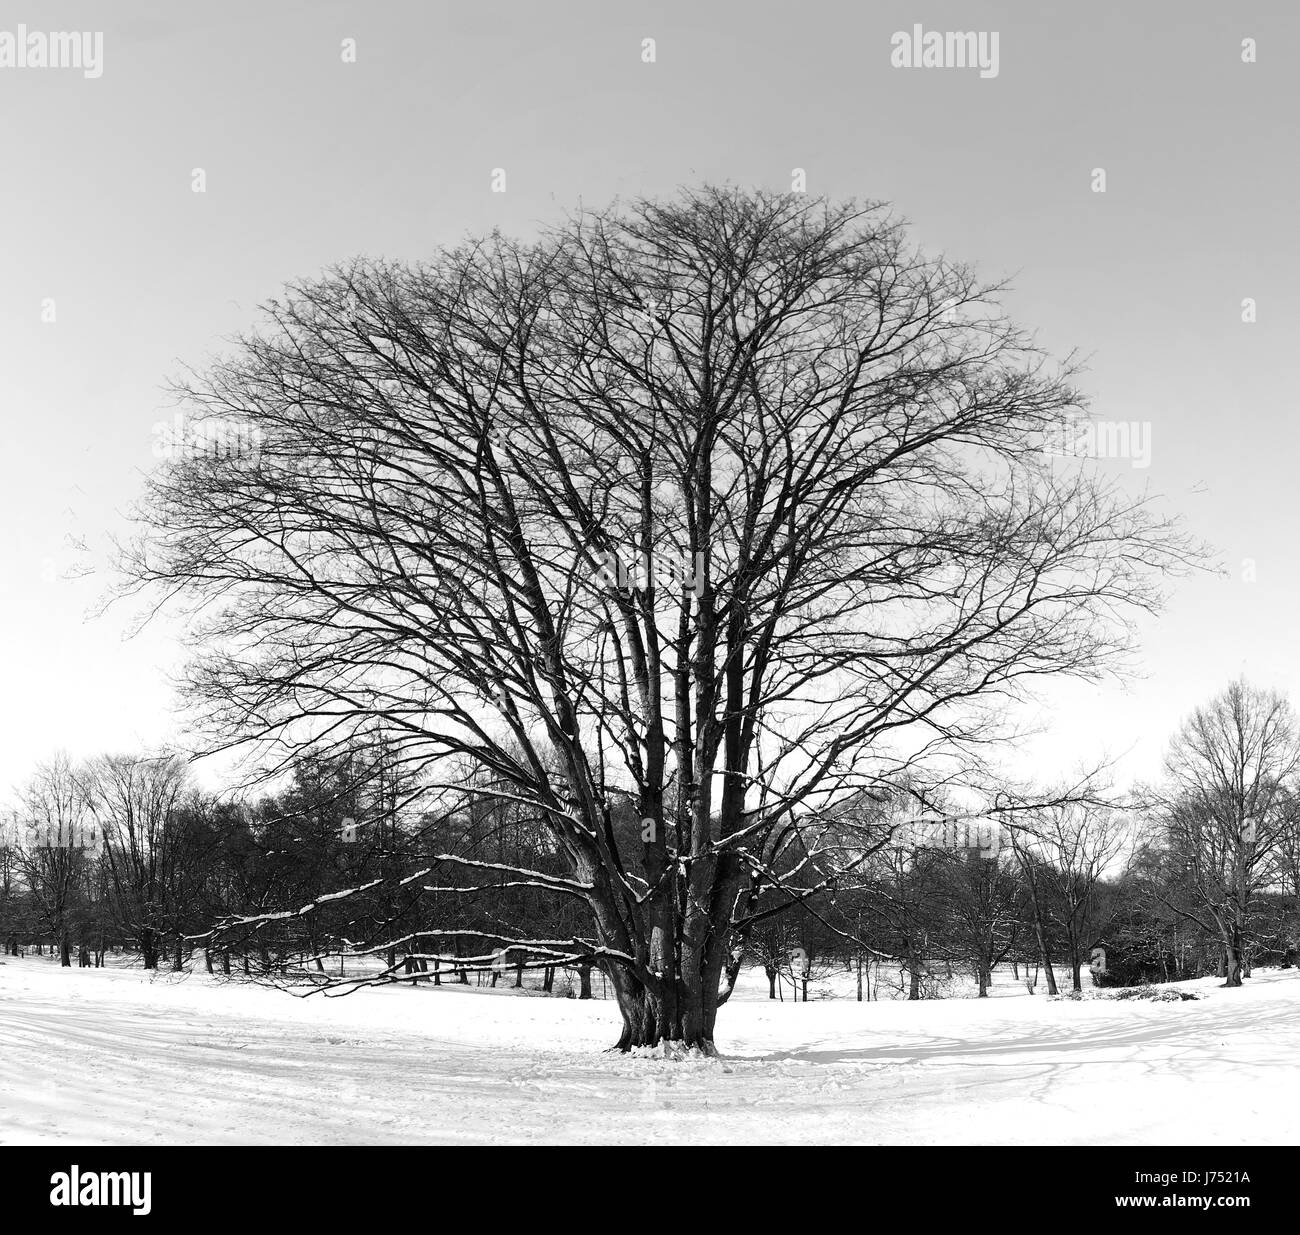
x=116, y=273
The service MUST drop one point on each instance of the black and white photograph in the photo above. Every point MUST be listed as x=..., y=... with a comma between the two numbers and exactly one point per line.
x=611, y=576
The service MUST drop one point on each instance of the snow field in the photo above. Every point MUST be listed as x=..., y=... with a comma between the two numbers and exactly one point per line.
x=117, y=1055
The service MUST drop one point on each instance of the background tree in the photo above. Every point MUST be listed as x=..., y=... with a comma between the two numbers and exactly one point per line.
x=981, y=896
x=136, y=800
x=1232, y=769
x=1034, y=879
x=13, y=924
x=905, y=894
x=1066, y=852
x=52, y=859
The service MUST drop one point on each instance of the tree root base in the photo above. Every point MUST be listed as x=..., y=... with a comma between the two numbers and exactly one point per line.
x=675, y=1051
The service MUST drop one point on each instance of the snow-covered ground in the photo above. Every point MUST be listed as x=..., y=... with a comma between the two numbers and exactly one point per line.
x=117, y=1056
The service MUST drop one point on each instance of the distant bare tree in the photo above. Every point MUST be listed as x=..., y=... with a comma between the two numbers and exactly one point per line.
x=136, y=800
x=982, y=897
x=1232, y=768
x=10, y=885
x=53, y=855
x=1065, y=852
x=1288, y=847
x=1031, y=864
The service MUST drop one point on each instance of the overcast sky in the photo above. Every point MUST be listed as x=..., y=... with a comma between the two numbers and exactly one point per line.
x=309, y=159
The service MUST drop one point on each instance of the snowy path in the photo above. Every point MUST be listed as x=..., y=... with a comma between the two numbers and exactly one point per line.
x=110, y=1056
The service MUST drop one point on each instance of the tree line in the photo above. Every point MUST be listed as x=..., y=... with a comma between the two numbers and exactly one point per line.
x=357, y=857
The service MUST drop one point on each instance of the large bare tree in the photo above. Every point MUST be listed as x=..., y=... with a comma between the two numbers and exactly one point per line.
x=731, y=507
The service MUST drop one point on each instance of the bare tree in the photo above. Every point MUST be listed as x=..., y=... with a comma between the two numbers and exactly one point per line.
x=52, y=859
x=905, y=906
x=734, y=505
x=1031, y=873
x=136, y=800
x=1288, y=846
x=1232, y=768
x=1065, y=852
x=982, y=897
x=11, y=905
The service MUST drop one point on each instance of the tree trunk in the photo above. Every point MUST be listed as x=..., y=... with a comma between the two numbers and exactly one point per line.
x=1048, y=972
x=649, y=1020
x=1039, y=933
x=1232, y=958
x=584, y=979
